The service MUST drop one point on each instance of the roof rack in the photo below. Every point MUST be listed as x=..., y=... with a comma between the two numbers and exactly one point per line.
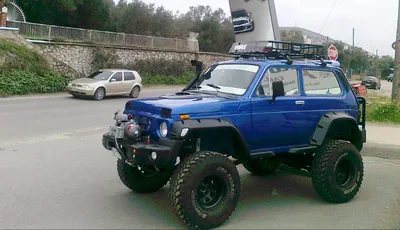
x=277, y=50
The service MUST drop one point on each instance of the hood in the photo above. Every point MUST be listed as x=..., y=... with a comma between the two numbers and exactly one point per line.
x=185, y=103
x=240, y=19
x=85, y=81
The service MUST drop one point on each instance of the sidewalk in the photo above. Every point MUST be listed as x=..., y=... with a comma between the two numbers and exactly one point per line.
x=383, y=141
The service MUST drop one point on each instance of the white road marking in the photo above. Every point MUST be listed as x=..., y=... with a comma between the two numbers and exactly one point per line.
x=53, y=137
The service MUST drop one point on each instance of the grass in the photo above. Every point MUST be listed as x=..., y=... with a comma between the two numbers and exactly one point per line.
x=382, y=109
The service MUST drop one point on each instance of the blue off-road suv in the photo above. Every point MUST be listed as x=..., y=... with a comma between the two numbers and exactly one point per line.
x=274, y=103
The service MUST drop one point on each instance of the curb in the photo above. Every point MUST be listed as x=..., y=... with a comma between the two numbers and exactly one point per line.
x=381, y=151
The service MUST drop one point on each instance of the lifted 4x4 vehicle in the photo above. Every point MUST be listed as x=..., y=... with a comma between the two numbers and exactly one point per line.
x=274, y=103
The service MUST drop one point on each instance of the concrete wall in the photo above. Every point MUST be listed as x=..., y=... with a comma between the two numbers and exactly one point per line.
x=80, y=56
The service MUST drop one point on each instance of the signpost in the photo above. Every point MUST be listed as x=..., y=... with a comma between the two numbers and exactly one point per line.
x=333, y=53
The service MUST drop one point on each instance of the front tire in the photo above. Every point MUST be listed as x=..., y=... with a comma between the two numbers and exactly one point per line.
x=204, y=190
x=337, y=171
x=99, y=94
x=138, y=181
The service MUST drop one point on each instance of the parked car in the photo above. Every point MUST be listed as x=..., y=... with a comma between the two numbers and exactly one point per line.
x=390, y=78
x=261, y=109
x=107, y=82
x=242, y=21
x=371, y=82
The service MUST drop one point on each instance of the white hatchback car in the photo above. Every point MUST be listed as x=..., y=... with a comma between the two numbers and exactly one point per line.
x=107, y=82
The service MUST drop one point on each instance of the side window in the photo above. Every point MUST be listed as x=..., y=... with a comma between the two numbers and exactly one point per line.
x=318, y=82
x=118, y=76
x=128, y=76
x=289, y=76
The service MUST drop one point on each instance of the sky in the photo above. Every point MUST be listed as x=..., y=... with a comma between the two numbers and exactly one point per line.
x=374, y=21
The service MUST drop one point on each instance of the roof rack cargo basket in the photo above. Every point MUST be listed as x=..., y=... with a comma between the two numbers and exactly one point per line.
x=277, y=50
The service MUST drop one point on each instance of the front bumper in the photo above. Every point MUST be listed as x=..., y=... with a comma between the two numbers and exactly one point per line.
x=80, y=91
x=166, y=150
x=247, y=27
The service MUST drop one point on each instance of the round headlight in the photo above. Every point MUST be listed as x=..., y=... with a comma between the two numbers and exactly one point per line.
x=163, y=129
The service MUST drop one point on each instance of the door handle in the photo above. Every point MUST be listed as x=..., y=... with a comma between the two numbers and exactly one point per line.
x=300, y=102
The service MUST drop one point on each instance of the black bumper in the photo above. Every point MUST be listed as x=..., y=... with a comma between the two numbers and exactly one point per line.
x=167, y=151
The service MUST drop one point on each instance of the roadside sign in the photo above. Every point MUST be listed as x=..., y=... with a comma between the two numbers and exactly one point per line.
x=333, y=53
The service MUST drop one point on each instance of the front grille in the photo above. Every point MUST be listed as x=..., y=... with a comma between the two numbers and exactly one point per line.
x=240, y=22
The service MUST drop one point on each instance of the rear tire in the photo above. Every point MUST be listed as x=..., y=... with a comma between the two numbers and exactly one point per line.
x=337, y=171
x=135, y=92
x=262, y=167
x=139, y=182
x=204, y=190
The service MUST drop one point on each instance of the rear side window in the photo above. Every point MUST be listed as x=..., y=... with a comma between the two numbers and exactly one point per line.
x=128, y=76
x=321, y=82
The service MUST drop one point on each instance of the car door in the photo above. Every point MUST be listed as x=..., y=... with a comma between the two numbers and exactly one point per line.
x=322, y=92
x=129, y=81
x=276, y=124
x=115, y=85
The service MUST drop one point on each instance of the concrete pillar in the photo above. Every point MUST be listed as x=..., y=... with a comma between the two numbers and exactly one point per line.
x=3, y=17
x=193, y=42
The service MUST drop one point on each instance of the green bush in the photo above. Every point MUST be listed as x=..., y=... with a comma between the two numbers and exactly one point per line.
x=381, y=109
x=22, y=58
x=20, y=82
x=183, y=79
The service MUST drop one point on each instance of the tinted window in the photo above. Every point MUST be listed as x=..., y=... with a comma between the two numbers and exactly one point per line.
x=100, y=75
x=290, y=79
x=318, y=82
x=117, y=76
x=128, y=76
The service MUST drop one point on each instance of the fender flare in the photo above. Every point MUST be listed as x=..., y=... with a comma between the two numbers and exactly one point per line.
x=327, y=126
x=195, y=125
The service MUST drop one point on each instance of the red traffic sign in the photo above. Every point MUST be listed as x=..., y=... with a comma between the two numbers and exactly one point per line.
x=333, y=53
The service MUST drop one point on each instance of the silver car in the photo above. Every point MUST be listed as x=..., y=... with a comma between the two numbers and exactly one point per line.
x=107, y=82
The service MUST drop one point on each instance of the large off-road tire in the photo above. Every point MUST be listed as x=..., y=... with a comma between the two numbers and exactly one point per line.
x=138, y=181
x=204, y=190
x=262, y=167
x=337, y=171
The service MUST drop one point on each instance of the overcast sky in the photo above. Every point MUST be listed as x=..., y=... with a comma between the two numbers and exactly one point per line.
x=374, y=20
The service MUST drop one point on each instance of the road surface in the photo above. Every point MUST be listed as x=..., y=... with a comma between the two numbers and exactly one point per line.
x=384, y=91
x=55, y=174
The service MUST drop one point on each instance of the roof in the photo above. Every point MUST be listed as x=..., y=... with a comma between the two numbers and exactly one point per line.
x=115, y=70
x=330, y=64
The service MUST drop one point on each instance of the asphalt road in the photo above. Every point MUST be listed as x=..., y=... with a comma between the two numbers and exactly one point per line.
x=55, y=174
x=384, y=91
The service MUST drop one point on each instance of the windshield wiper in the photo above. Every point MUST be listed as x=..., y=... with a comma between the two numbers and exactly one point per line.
x=214, y=86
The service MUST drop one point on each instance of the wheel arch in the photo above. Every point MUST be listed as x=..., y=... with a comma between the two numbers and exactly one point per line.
x=338, y=125
x=217, y=135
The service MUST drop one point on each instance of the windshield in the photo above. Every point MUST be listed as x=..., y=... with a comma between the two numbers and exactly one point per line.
x=239, y=13
x=100, y=75
x=227, y=78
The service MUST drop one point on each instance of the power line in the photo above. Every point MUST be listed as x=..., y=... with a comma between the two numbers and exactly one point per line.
x=334, y=4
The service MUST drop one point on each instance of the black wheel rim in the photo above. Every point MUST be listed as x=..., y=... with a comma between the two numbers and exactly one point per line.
x=344, y=172
x=210, y=192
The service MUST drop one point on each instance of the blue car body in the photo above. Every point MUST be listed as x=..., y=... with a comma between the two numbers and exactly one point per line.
x=264, y=126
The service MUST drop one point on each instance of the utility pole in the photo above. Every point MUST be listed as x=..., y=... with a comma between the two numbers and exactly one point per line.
x=396, y=78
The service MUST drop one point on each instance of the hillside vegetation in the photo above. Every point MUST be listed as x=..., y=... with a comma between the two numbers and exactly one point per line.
x=24, y=71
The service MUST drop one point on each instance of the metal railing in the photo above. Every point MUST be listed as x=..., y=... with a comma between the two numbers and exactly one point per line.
x=69, y=34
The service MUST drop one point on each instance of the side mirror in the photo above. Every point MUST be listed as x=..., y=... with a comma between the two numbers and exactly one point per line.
x=278, y=90
x=113, y=80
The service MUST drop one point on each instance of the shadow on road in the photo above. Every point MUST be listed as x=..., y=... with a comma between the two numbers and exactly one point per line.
x=278, y=189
